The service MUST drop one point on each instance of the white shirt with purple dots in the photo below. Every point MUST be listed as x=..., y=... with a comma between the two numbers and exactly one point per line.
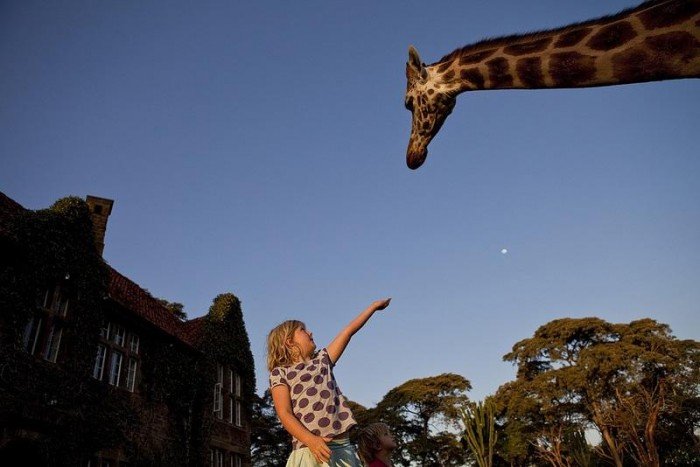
x=316, y=398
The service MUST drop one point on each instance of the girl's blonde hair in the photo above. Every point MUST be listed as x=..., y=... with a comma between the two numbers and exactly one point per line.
x=368, y=440
x=278, y=352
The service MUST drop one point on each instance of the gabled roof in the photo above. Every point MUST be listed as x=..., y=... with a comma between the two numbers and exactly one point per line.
x=132, y=297
x=192, y=331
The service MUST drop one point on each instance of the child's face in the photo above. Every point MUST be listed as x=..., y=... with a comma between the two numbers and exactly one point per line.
x=386, y=441
x=305, y=341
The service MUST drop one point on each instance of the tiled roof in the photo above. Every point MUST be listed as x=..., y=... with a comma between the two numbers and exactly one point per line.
x=192, y=331
x=131, y=296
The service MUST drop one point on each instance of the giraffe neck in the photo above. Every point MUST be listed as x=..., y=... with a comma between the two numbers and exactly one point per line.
x=656, y=41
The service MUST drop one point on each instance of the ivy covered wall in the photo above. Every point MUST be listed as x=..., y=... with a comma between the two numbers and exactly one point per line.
x=69, y=414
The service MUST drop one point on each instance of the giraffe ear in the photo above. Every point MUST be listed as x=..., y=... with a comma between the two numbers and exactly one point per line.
x=414, y=66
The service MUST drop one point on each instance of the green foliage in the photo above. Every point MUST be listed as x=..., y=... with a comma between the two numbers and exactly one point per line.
x=270, y=442
x=628, y=381
x=420, y=412
x=480, y=431
x=226, y=340
x=41, y=249
x=178, y=309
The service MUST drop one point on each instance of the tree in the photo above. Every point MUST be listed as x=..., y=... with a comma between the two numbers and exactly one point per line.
x=627, y=381
x=421, y=412
x=480, y=431
x=270, y=442
x=175, y=308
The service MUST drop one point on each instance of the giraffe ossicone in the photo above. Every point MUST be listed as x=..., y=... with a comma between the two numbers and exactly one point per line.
x=658, y=40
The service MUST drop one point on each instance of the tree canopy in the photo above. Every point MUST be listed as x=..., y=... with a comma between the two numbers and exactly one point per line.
x=630, y=382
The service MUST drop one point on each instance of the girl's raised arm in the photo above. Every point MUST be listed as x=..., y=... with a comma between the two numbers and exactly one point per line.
x=337, y=347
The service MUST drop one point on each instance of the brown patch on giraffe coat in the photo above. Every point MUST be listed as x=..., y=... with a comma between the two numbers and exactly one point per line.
x=612, y=36
x=449, y=75
x=474, y=76
x=569, y=69
x=571, y=38
x=528, y=47
x=444, y=66
x=498, y=73
x=669, y=14
x=637, y=65
x=674, y=44
x=530, y=72
x=431, y=91
x=476, y=58
x=660, y=57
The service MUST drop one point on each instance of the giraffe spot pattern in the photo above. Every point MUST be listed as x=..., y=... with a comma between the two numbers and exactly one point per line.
x=528, y=47
x=572, y=38
x=474, y=76
x=669, y=14
x=475, y=57
x=646, y=63
x=680, y=44
x=529, y=71
x=443, y=67
x=498, y=73
x=612, y=36
x=569, y=69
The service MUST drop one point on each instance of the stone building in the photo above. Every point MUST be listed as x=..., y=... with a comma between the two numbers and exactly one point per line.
x=94, y=371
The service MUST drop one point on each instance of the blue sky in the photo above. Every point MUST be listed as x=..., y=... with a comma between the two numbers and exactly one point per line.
x=259, y=148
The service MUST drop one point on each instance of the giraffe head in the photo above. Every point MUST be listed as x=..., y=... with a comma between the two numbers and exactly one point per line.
x=430, y=102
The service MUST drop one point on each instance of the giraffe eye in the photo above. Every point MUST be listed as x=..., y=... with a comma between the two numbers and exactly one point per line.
x=408, y=103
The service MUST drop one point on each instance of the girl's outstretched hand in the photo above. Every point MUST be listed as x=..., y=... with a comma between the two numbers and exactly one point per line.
x=381, y=304
x=320, y=449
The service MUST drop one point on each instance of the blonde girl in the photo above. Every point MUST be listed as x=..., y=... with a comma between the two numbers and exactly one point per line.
x=307, y=398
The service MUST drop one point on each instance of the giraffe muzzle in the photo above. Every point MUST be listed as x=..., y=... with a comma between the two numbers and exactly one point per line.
x=416, y=157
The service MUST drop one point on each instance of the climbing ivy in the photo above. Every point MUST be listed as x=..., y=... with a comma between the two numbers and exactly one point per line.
x=42, y=249
x=77, y=415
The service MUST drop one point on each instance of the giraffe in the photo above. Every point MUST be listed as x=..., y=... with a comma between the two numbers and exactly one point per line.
x=657, y=40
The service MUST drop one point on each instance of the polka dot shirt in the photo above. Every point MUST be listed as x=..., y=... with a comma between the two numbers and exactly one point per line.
x=316, y=399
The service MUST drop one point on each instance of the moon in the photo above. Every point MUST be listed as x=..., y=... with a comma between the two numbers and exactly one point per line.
x=504, y=251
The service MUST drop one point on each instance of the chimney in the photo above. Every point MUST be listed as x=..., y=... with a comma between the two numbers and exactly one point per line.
x=100, y=209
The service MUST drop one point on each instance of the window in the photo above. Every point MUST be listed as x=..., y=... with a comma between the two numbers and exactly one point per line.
x=119, y=351
x=98, y=369
x=230, y=391
x=43, y=332
x=118, y=334
x=104, y=331
x=218, y=392
x=31, y=334
x=134, y=343
x=236, y=397
x=131, y=374
x=217, y=457
x=115, y=368
x=53, y=343
x=218, y=399
x=56, y=299
x=60, y=303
